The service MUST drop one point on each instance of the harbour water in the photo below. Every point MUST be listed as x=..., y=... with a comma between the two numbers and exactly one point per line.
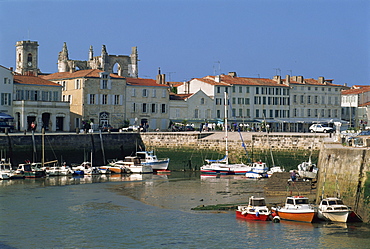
x=151, y=211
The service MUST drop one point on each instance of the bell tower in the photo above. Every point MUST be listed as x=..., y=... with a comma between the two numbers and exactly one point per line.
x=27, y=57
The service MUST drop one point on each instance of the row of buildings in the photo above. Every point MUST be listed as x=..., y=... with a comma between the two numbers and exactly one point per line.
x=106, y=89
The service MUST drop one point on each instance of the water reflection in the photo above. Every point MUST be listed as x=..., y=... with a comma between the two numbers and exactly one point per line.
x=85, y=179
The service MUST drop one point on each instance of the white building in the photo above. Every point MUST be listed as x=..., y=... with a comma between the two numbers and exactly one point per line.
x=6, y=89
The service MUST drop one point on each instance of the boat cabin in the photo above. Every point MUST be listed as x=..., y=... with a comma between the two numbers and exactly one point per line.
x=257, y=201
x=297, y=200
x=132, y=160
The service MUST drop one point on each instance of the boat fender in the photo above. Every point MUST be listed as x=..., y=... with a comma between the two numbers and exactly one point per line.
x=276, y=219
x=257, y=214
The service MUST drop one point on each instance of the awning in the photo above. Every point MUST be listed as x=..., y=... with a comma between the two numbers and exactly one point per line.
x=5, y=116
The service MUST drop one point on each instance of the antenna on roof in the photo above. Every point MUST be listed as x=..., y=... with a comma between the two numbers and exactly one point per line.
x=219, y=68
x=169, y=75
x=291, y=72
x=276, y=70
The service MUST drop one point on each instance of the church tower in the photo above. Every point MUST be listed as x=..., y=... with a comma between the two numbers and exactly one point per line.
x=27, y=57
x=63, y=59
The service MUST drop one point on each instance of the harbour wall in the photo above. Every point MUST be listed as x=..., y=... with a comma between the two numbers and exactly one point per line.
x=345, y=172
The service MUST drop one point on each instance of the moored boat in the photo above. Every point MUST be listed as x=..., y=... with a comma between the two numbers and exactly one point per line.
x=149, y=158
x=333, y=209
x=116, y=167
x=88, y=169
x=255, y=210
x=296, y=208
x=133, y=163
x=31, y=170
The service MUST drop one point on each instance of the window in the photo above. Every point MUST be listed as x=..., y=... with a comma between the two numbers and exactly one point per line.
x=5, y=80
x=218, y=89
x=104, y=81
x=308, y=99
x=240, y=89
x=196, y=113
x=77, y=84
x=302, y=99
x=164, y=92
x=218, y=114
x=257, y=113
x=104, y=100
x=154, y=93
x=247, y=101
x=145, y=93
x=154, y=108
x=133, y=92
x=257, y=90
x=55, y=96
x=133, y=107
x=64, y=86
x=233, y=112
x=202, y=101
x=92, y=99
x=240, y=112
x=6, y=99
x=247, y=89
x=144, y=110
x=234, y=101
x=248, y=112
x=163, y=108
x=233, y=87
x=116, y=100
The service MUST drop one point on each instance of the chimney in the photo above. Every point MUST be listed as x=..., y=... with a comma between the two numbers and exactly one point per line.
x=321, y=80
x=300, y=79
x=277, y=78
x=287, y=79
x=218, y=78
x=232, y=74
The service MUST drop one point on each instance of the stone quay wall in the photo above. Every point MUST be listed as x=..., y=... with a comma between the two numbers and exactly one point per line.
x=345, y=172
x=252, y=140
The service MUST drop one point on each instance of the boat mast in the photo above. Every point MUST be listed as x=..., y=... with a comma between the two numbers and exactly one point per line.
x=225, y=126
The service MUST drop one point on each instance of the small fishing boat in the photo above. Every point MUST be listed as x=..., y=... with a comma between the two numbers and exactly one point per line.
x=58, y=171
x=149, y=158
x=333, y=209
x=296, y=208
x=133, y=163
x=5, y=169
x=255, y=210
x=88, y=169
x=116, y=167
x=31, y=170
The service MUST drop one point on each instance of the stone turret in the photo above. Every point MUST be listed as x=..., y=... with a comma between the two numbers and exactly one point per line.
x=134, y=60
x=63, y=59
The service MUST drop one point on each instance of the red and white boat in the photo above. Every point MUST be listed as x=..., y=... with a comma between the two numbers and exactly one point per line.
x=255, y=210
x=297, y=208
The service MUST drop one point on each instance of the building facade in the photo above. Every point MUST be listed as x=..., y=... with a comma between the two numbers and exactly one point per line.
x=147, y=103
x=39, y=101
x=6, y=97
x=95, y=97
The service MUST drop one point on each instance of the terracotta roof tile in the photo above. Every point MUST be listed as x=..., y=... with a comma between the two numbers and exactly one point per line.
x=355, y=90
x=33, y=80
x=174, y=96
x=90, y=73
x=143, y=82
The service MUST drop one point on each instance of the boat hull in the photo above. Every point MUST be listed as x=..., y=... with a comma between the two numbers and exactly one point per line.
x=143, y=169
x=157, y=166
x=250, y=216
x=114, y=170
x=297, y=216
x=337, y=216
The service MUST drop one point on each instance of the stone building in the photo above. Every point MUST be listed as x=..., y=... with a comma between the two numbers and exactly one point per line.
x=39, y=101
x=147, y=102
x=95, y=96
x=127, y=66
x=356, y=106
x=6, y=86
x=290, y=104
x=36, y=100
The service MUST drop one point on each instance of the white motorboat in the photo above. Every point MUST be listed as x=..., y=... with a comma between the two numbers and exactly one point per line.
x=296, y=208
x=87, y=168
x=5, y=170
x=149, y=158
x=333, y=209
x=133, y=163
x=307, y=170
x=58, y=171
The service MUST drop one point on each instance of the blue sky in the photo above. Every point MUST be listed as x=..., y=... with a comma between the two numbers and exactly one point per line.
x=194, y=38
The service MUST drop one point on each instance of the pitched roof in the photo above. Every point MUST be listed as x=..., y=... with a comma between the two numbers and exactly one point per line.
x=356, y=90
x=175, y=96
x=33, y=80
x=228, y=80
x=89, y=73
x=143, y=82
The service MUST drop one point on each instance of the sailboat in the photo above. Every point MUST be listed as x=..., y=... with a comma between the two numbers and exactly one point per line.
x=222, y=166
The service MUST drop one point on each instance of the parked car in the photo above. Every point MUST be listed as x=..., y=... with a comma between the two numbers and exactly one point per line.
x=131, y=128
x=4, y=125
x=320, y=128
x=187, y=128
